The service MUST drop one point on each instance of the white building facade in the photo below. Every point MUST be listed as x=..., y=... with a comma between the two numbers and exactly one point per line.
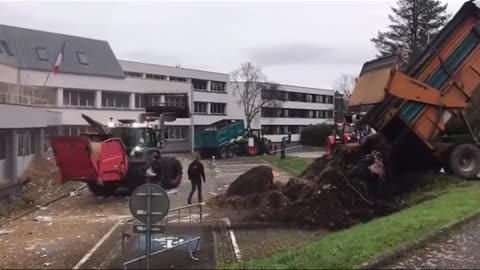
x=36, y=104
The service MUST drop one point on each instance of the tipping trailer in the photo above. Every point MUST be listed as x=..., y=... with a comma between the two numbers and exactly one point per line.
x=227, y=138
x=412, y=108
x=219, y=138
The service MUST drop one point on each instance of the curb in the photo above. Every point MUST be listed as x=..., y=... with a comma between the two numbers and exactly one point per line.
x=383, y=260
x=42, y=205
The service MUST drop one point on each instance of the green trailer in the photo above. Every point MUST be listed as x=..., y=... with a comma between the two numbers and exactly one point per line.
x=219, y=139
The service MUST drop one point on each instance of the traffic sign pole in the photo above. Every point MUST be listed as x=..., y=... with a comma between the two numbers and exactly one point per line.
x=148, y=235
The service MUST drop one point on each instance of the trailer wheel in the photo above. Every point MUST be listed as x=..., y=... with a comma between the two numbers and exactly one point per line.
x=107, y=189
x=223, y=153
x=464, y=161
x=229, y=152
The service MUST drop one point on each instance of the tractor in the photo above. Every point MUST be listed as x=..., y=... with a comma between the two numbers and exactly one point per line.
x=344, y=133
x=118, y=154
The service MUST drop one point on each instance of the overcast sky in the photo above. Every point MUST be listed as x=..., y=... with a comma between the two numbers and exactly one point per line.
x=300, y=43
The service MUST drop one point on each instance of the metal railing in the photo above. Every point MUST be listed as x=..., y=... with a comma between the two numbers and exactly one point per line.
x=174, y=217
x=16, y=99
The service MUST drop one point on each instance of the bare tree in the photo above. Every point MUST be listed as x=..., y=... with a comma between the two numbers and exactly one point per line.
x=254, y=92
x=345, y=84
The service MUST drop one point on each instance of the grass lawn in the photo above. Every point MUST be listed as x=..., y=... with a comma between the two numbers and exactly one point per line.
x=364, y=242
x=293, y=165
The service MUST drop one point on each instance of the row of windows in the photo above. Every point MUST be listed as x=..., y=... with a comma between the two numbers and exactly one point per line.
x=173, y=133
x=215, y=108
x=281, y=129
x=200, y=85
x=296, y=113
x=295, y=96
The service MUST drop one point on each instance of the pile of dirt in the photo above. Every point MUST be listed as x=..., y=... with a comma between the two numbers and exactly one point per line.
x=39, y=184
x=352, y=185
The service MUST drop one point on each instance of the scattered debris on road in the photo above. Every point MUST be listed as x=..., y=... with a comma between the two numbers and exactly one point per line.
x=45, y=219
x=39, y=186
x=5, y=231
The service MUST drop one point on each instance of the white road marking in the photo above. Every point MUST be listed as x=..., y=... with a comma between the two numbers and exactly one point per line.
x=236, y=249
x=97, y=245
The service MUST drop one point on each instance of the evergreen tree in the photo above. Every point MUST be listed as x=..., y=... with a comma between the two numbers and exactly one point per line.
x=412, y=24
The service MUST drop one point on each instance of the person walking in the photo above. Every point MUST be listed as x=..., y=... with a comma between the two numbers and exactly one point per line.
x=196, y=173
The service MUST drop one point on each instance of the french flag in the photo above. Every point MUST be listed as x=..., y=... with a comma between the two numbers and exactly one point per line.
x=58, y=62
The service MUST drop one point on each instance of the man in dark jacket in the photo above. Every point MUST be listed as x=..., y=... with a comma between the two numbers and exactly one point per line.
x=196, y=174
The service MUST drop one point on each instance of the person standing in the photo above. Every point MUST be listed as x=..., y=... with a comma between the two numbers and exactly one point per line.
x=283, y=147
x=196, y=173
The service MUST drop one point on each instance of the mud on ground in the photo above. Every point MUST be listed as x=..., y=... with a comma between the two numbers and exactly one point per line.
x=353, y=185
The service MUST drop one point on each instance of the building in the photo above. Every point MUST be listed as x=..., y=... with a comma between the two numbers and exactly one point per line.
x=36, y=104
x=297, y=107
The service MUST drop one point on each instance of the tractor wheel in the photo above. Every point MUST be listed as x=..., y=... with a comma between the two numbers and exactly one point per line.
x=174, y=173
x=108, y=189
x=464, y=161
x=222, y=153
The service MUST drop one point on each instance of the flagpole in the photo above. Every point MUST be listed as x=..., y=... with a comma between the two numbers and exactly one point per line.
x=54, y=64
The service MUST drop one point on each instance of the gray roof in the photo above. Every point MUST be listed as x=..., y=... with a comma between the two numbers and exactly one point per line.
x=23, y=43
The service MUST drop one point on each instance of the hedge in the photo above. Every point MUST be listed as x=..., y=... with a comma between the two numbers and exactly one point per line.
x=315, y=135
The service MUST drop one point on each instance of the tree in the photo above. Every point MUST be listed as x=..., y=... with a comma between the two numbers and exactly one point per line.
x=345, y=84
x=413, y=23
x=343, y=87
x=253, y=90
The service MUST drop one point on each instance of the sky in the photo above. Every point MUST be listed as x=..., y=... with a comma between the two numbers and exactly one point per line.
x=307, y=43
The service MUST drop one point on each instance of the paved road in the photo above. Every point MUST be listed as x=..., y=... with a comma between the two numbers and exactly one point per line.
x=458, y=249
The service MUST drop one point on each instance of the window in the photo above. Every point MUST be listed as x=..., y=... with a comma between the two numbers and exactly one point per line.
x=175, y=101
x=42, y=54
x=3, y=146
x=133, y=74
x=74, y=130
x=6, y=47
x=217, y=108
x=139, y=101
x=309, y=98
x=200, y=107
x=155, y=76
x=175, y=133
x=199, y=85
x=329, y=99
x=82, y=58
x=115, y=100
x=26, y=143
x=178, y=79
x=217, y=86
x=78, y=98
x=320, y=114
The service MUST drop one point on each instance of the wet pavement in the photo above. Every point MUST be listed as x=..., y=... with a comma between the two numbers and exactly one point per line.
x=458, y=249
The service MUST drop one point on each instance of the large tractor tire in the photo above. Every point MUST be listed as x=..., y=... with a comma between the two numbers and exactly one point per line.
x=168, y=172
x=108, y=189
x=464, y=161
